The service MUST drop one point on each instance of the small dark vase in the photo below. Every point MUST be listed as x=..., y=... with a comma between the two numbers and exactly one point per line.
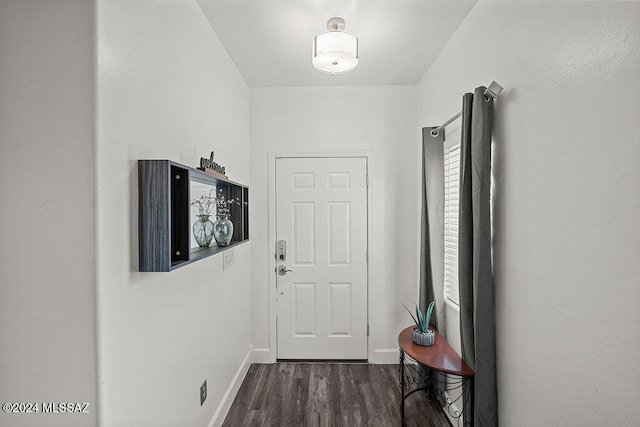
x=423, y=338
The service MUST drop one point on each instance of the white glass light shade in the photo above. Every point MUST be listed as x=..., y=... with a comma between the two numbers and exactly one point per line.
x=335, y=52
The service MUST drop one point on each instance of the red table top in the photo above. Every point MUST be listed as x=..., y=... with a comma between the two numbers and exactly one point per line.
x=439, y=356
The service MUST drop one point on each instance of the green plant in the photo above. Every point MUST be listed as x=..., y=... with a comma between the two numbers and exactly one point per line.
x=422, y=320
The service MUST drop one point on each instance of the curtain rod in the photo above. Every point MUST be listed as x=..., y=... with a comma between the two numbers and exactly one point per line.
x=492, y=91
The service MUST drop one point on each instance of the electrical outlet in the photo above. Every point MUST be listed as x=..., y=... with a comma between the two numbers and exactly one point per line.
x=227, y=259
x=203, y=392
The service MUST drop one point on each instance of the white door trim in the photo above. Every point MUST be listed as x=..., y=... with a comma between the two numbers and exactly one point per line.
x=271, y=212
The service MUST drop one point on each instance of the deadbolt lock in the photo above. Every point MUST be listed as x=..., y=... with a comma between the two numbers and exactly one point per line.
x=281, y=250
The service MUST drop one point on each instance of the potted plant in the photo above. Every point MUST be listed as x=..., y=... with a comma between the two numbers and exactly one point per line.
x=422, y=335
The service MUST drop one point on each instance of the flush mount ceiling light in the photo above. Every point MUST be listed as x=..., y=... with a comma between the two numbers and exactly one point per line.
x=335, y=52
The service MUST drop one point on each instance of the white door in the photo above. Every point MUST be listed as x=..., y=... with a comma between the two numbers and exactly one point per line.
x=321, y=210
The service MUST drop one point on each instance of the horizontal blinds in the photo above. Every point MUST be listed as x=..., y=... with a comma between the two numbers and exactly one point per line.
x=451, y=205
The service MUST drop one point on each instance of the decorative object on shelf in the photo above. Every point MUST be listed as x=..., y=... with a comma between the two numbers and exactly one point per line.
x=203, y=231
x=213, y=168
x=223, y=230
x=203, y=227
x=223, y=227
x=336, y=51
x=422, y=335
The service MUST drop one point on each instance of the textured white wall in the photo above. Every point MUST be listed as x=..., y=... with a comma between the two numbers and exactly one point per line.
x=47, y=286
x=379, y=120
x=567, y=229
x=167, y=90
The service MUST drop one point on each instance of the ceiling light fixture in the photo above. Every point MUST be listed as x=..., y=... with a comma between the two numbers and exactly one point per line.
x=335, y=52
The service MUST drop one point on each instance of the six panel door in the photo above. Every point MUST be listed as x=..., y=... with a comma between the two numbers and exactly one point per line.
x=321, y=210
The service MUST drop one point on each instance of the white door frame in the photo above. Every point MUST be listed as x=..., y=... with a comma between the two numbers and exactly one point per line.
x=271, y=202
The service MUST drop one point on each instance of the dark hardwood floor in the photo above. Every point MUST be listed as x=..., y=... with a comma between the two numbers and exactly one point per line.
x=328, y=394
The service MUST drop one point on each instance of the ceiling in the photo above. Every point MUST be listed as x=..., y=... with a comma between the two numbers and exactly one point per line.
x=270, y=40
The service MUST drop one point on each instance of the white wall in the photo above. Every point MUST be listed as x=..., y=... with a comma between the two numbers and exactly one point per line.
x=567, y=229
x=167, y=90
x=47, y=286
x=379, y=120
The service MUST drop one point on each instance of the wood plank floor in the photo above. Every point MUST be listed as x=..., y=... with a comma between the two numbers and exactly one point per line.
x=328, y=394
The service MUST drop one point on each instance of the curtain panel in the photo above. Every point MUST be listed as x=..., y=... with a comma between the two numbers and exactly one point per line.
x=432, y=227
x=475, y=272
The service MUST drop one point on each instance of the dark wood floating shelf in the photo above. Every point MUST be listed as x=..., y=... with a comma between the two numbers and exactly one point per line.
x=164, y=214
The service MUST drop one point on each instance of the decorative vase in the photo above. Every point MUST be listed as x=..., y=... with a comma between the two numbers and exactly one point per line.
x=223, y=230
x=203, y=231
x=424, y=338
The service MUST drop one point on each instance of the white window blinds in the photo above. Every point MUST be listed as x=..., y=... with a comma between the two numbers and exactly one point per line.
x=451, y=203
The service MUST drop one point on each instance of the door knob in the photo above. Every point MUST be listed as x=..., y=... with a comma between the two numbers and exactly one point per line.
x=282, y=270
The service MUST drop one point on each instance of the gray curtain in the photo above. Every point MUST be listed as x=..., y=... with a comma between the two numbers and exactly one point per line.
x=432, y=235
x=477, y=319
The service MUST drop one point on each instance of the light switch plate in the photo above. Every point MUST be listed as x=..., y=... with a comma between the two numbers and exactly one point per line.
x=227, y=259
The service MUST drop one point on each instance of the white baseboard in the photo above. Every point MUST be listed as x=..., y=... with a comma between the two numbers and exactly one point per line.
x=383, y=356
x=386, y=356
x=263, y=355
x=232, y=390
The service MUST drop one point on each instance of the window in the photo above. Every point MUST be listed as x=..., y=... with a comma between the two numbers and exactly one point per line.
x=451, y=203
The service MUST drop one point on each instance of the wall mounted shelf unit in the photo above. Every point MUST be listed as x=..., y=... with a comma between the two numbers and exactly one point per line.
x=165, y=214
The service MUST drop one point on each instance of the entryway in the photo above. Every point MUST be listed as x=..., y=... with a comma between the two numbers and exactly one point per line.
x=321, y=242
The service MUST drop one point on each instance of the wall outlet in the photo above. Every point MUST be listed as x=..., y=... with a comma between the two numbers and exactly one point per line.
x=203, y=392
x=227, y=259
